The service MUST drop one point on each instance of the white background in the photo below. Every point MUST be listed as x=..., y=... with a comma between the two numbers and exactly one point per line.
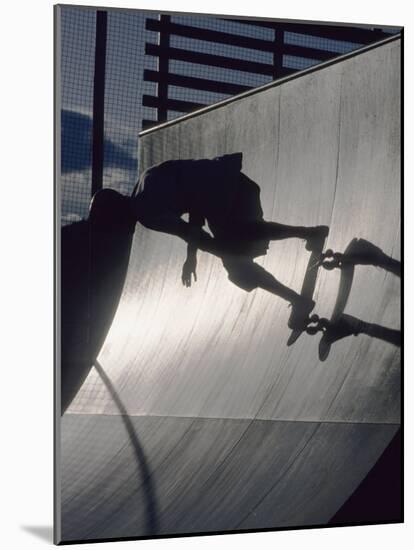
x=26, y=304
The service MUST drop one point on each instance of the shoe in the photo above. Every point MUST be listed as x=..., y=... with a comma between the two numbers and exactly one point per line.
x=317, y=237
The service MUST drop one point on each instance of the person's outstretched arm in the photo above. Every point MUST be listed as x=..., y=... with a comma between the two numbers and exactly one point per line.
x=196, y=222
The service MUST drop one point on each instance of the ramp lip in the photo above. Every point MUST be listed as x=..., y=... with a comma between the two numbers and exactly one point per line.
x=273, y=84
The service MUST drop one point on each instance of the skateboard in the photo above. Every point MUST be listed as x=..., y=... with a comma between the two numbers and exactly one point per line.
x=299, y=320
x=339, y=325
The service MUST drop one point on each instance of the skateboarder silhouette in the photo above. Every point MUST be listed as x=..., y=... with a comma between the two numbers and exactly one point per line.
x=217, y=192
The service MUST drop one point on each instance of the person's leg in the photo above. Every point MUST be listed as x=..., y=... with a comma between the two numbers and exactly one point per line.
x=277, y=231
x=273, y=231
x=383, y=333
x=248, y=275
x=266, y=281
x=245, y=221
x=347, y=325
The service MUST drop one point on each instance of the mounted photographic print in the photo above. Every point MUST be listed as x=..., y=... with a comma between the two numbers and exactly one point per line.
x=228, y=276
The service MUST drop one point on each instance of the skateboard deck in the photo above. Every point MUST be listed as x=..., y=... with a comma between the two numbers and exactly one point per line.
x=308, y=288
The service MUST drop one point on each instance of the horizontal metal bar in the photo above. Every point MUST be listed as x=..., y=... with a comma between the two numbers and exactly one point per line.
x=333, y=32
x=209, y=59
x=193, y=83
x=207, y=35
x=170, y=104
x=308, y=53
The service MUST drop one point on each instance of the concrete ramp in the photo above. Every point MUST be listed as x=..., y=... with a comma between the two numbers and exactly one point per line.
x=199, y=417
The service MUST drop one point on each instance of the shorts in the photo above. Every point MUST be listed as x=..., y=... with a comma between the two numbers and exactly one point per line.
x=243, y=272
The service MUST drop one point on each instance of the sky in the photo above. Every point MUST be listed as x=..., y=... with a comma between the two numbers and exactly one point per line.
x=124, y=87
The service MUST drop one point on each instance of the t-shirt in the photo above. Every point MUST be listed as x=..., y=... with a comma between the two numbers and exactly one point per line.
x=202, y=188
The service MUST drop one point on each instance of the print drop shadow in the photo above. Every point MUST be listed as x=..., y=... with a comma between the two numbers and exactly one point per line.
x=93, y=269
x=365, y=254
x=42, y=532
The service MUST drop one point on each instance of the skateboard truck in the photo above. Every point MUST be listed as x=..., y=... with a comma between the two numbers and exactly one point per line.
x=335, y=257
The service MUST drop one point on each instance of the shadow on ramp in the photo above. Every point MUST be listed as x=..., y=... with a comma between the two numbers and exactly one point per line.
x=379, y=497
x=94, y=262
x=144, y=471
x=342, y=325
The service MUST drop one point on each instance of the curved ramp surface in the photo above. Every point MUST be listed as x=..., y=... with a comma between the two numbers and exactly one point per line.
x=199, y=417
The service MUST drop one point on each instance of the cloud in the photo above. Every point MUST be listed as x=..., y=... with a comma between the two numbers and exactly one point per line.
x=119, y=180
x=75, y=193
x=70, y=218
x=76, y=145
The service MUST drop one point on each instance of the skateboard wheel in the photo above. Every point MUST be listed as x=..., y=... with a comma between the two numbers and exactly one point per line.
x=314, y=318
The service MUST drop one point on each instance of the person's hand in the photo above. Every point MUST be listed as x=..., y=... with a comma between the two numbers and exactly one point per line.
x=189, y=269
